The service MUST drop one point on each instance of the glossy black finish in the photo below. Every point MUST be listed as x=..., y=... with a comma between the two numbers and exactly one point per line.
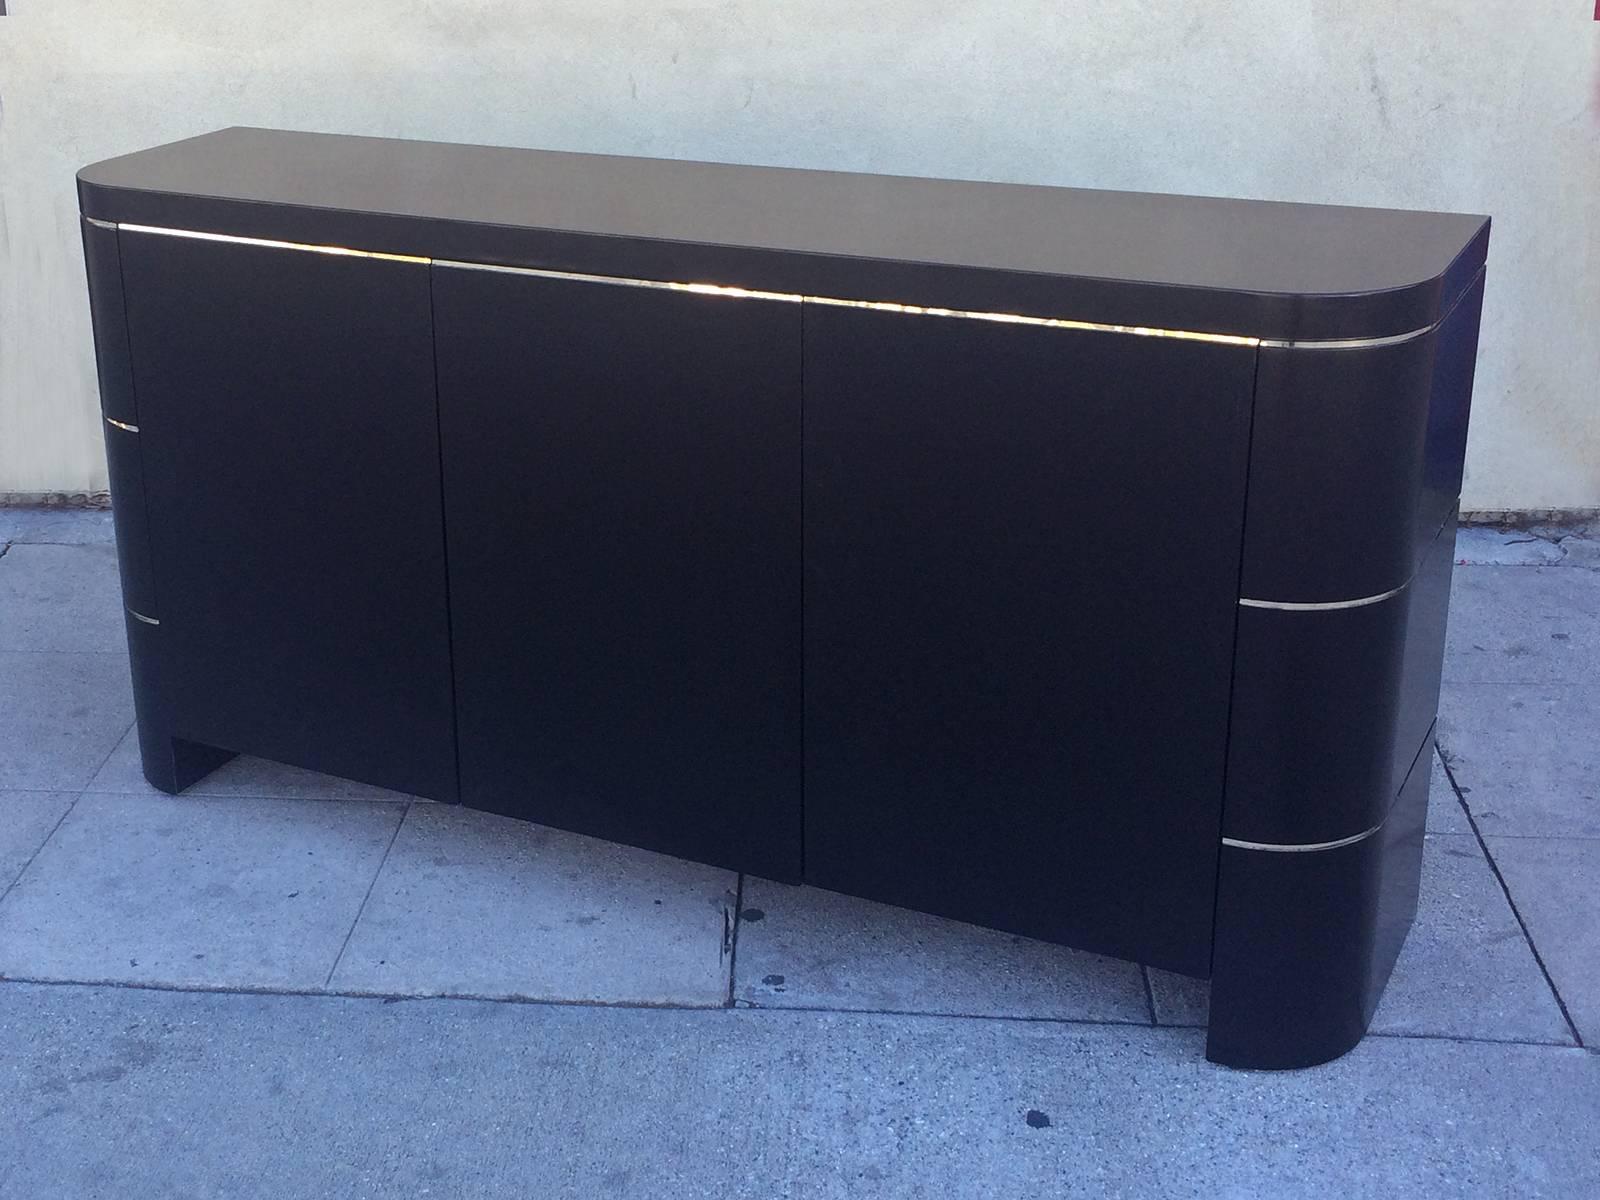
x=1002, y=602
x=289, y=441
x=986, y=572
x=1246, y=267
x=124, y=459
x=1339, y=437
x=1305, y=942
x=118, y=404
x=622, y=479
x=1353, y=455
x=1455, y=362
x=1333, y=708
x=108, y=315
x=125, y=467
x=1422, y=664
x=169, y=763
x=1330, y=708
x=1342, y=497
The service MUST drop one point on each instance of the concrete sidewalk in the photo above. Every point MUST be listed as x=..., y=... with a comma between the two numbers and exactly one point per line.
x=200, y=993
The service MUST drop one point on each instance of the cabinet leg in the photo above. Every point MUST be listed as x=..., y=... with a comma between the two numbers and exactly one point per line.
x=173, y=764
x=170, y=763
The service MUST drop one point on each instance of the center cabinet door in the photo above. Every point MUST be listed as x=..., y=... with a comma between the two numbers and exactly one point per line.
x=622, y=509
x=1022, y=559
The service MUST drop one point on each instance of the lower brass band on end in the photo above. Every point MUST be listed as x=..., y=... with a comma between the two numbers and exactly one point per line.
x=1303, y=847
x=1324, y=605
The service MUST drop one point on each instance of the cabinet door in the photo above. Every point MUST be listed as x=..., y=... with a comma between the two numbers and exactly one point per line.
x=622, y=496
x=1022, y=554
x=290, y=445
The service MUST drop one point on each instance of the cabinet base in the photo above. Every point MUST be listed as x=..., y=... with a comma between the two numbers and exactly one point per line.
x=1305, y=941
x=172, y=764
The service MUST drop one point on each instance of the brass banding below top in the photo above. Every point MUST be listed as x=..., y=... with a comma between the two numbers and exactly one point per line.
x=271, y=244
x=713, y=289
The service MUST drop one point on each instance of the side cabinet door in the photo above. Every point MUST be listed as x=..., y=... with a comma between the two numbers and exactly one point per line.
x=1022, y=558
x=622, y=496
x=290, y=443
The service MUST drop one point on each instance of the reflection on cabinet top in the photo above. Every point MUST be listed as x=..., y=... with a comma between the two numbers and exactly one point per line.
x=1239, y=267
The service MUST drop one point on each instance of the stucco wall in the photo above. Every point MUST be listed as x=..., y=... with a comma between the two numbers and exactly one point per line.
x=1482, y=105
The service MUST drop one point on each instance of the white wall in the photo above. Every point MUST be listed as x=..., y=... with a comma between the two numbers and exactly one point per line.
x=1480, y=105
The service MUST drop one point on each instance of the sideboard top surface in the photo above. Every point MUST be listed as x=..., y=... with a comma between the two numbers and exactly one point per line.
x=1241, y=267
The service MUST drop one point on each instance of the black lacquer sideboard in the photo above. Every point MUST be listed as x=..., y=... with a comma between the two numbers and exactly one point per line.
x=1070, y=562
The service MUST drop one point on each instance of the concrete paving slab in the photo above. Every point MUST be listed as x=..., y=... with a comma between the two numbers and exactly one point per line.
x=244, y=776
x=120, y=1092
x=1582, y=551
x=1555, y=885
x=1524, y=755
x=61, y=598
x=1179, y=1001
x=1479, y=545
x=1444, y=809
x=1465, y=971
x=803, y=947
x=58, y=525
x=1565, y=532
x=26, y=820
x=473, y=904
x=60, y=716
x=1535, y=626
x=195, y=891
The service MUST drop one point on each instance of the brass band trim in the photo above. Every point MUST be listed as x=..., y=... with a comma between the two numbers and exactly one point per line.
x=1329, y=605
x=714, y=289
x=1044, y=322
x=698, y=289
x=1304, y=847
x=269, y=243
x=122, y=425
x=1395, y=339
x=1325, y=605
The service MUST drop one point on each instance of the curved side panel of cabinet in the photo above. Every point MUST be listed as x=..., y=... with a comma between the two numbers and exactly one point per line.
x=170, y=763
x=1326, y=709
x=125, y=464
x=124, y=459
x=1355, y=461
x=108, y=317
x=1349, y=539
x=1306, y=940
